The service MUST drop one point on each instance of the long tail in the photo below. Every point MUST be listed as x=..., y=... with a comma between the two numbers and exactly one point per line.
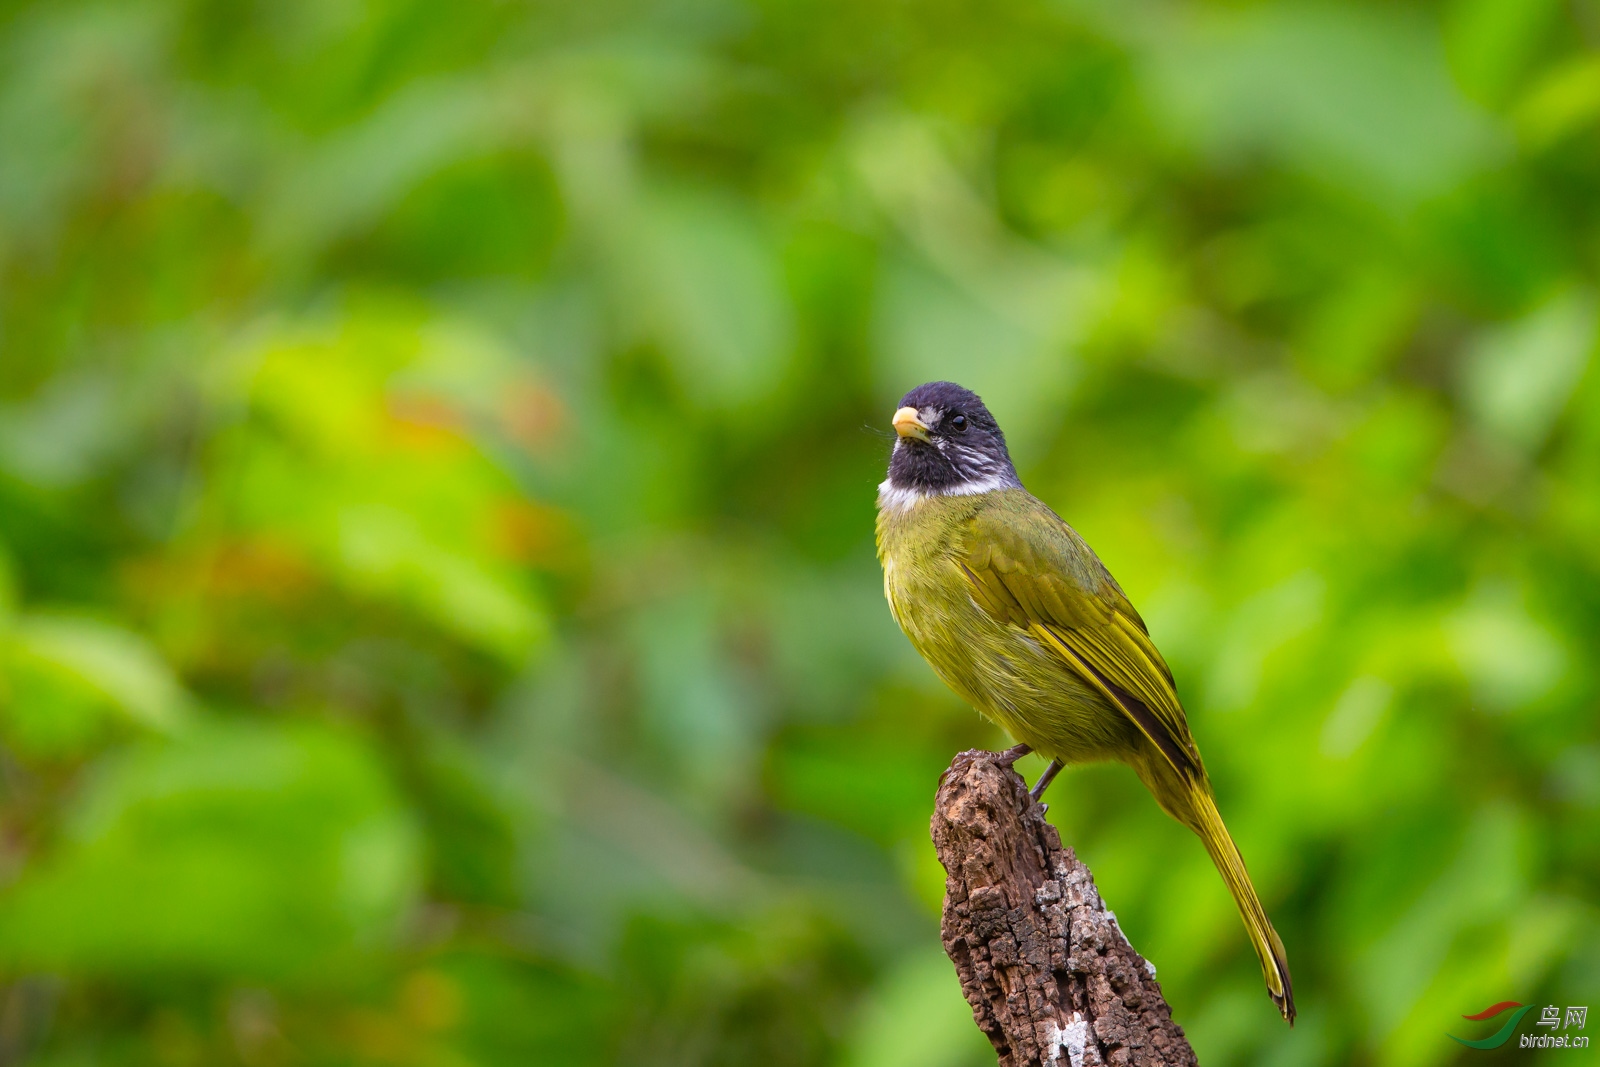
x=1225, y=854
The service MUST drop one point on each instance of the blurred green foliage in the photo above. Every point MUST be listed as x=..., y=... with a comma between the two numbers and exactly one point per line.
x=438, y=616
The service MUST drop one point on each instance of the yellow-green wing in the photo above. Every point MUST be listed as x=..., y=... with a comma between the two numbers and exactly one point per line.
x=1029, y=569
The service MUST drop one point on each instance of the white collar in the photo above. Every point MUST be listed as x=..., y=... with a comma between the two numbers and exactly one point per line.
x=900, y=498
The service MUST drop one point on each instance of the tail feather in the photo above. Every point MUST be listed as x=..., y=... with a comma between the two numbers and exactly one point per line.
x=1269, y=949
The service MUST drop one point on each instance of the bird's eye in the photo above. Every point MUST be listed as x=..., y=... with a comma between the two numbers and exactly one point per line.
x=958, y=423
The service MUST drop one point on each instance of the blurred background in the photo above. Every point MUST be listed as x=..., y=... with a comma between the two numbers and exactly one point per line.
x=439, y=622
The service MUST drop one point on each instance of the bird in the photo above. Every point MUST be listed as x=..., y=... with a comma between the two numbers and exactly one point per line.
x=1014, y=612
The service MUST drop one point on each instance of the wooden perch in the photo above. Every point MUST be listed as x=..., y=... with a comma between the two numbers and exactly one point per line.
x=1042, y=962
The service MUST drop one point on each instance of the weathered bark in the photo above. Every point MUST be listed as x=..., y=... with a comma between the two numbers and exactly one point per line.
x=1042, y=962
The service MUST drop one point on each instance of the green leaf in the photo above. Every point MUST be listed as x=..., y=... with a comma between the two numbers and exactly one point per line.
x=69, y=677
x=1518, y=377
x=716, y=289
x=917, y=1017
x=1361, y=96
x=1562, y=102
x=1490, y=42
x=279, y=853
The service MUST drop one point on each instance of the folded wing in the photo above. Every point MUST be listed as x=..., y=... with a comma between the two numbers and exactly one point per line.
x=1034, y=572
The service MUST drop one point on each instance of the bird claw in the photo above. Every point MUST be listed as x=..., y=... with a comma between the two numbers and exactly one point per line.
x=1016, y=752
x=1012, y=754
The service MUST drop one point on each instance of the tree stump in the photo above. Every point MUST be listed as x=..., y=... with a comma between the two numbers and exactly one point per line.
x=1042, y=962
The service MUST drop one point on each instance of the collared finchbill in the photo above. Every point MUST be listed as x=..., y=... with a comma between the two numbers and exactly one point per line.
x=908, y=423
x=1015, y=612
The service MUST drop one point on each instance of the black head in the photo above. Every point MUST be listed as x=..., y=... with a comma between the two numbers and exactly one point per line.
x=948, y=443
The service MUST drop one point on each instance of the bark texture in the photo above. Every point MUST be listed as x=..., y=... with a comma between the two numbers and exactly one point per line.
x=1050, y=976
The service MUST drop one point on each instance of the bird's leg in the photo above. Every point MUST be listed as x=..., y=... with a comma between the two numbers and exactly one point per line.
x=1012, y=754
x=1045, y=779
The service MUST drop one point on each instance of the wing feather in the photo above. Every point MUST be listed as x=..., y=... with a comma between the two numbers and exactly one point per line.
x=1031, y=570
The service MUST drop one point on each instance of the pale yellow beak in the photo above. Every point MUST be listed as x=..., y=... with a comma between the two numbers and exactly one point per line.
x=907, y=423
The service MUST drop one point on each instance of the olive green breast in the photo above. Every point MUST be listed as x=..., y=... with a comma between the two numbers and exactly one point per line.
x=1001, y=669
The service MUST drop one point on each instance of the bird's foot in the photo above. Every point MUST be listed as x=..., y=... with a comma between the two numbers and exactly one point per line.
x=1012, y=754
x=1045, y=779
